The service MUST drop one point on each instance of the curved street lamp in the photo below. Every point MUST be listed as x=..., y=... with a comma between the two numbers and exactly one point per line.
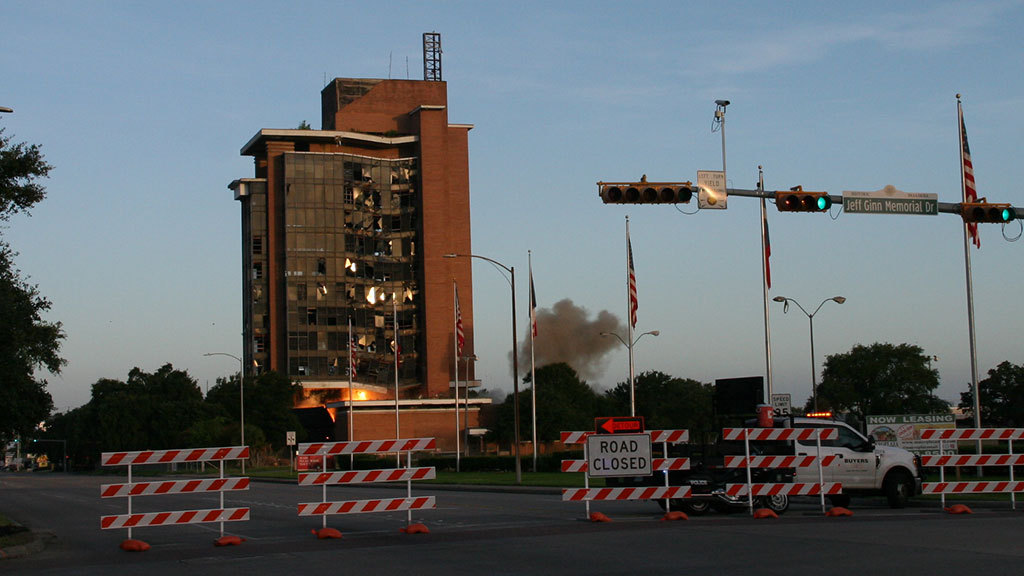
x=632, y=378
x=241, y=394
x=511, y=278
x=810, y=319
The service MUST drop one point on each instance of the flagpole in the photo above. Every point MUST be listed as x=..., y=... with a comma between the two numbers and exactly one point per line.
x=465, y=408
x=398, y=428
x=629, y=321
x=351, y=406
x=967, y=267
x=533, y=358
x=455, y=348
x=766, y=283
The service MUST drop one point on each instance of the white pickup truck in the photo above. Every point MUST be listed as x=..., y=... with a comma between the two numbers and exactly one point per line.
x=861, y=467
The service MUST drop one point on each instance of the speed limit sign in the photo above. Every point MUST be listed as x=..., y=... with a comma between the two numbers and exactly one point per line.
x=781, y=404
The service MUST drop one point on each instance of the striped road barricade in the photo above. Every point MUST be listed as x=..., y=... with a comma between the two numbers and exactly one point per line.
x=943, y=461
x=130, y=489
x=780, y=435
x=663, y=465
x=406, y=474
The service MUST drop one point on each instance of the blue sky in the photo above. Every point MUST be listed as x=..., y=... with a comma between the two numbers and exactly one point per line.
x=142, y=108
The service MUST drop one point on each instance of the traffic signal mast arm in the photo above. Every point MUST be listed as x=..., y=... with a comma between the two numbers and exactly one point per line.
x=644, y=192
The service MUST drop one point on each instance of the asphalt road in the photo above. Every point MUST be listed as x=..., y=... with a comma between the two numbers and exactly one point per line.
x=483, y=532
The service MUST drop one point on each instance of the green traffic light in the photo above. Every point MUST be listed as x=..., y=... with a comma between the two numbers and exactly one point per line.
x=824, y=202
x=1008, y=214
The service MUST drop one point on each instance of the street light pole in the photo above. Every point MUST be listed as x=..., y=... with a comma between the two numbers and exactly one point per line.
x=515, y=356
x=241, y=395
x=810, y=320
x=632, y=377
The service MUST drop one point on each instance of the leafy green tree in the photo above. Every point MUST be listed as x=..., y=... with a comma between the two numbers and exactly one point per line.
x=273, y=397
x=113, y=417
x=27, y=342
x=1002, y=397
x=213, y=431
x=880, y=379
x=148, y=412
x=166, y=409
x=269, y=399
x=223, y=398
x=72, y=427
x=666, y=403
x=171, y=402
x=21, y=165
x=564, y=402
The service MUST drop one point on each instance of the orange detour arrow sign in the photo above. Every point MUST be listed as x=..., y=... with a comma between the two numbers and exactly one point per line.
x=619, y=424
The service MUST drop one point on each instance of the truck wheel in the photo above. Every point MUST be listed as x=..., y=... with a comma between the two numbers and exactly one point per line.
x=898, y=487
x=695, y=507
x=778, y=503
x=674, y=504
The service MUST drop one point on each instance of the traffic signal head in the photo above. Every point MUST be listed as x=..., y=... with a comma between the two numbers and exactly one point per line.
x=645, y=192
x=797, y=200
x=985, y=212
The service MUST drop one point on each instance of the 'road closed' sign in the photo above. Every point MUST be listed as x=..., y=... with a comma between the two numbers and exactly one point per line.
x=619, y=455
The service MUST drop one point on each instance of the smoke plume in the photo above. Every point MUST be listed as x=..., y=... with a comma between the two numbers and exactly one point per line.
x=566, y=333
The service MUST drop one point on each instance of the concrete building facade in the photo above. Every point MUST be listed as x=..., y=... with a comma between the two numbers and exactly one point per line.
x=344, y=233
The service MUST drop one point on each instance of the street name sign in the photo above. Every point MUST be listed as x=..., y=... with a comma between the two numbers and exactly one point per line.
x=611, y=455
x=889, y=200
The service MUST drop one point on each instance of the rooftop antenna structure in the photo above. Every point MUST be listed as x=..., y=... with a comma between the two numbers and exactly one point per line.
x=432, y=57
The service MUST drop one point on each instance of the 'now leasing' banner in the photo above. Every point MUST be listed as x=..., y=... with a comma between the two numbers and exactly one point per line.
x=904, y=431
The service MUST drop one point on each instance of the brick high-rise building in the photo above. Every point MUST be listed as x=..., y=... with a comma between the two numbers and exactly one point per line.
x=349, y=225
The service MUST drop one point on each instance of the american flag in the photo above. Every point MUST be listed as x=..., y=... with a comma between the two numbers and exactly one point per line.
x=533, y=306
x=460, y=335
x=633, y=302
x=970, y=192
x=767, y=250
